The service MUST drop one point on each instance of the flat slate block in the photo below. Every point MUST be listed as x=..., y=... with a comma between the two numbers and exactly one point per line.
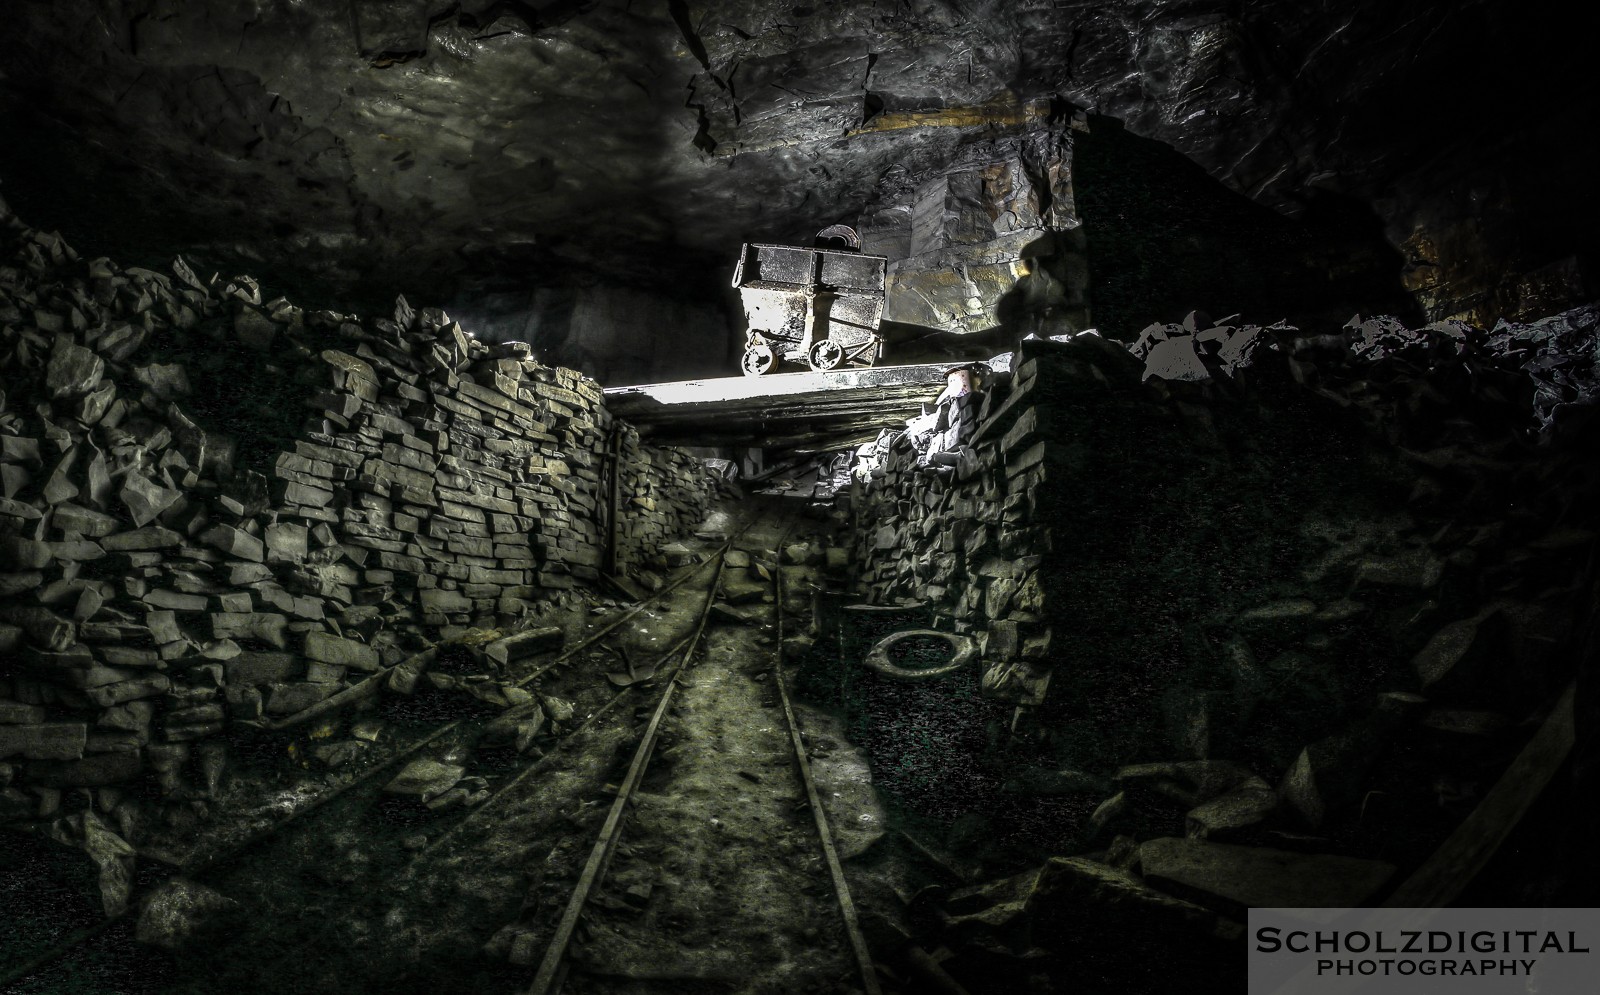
x=253, y=667
x=140, y=540
x=174, y=601
x=425, y=778
x=17, y=553
x=440, y=600
x=234, y=542
x=524, y=644
x=44, y=741
x=86, y=522
x=286, y=699
x=265, y=626
x=17, y=713
x=1260, y=877
x=327, y=648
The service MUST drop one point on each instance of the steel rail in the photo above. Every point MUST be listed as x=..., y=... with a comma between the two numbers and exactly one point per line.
x=613, y=624
x=551, y=969
x=501, y=792
x=231, y=851
x=841, y=887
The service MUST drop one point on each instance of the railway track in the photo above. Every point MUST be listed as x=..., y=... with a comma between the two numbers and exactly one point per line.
x=556, y=965
x=337, y=860
x=451, y=739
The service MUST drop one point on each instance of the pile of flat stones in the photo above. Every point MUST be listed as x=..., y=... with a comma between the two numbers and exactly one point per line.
x=172, y=562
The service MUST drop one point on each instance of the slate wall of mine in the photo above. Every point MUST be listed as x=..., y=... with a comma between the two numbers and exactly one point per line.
x=214, y=508
x=986, y=548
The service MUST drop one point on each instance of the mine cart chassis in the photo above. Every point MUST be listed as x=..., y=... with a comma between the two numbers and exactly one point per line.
x=821, y=307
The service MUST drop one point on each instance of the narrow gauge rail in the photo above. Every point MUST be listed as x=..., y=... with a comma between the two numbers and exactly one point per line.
x=554, y=967
x=365, y=787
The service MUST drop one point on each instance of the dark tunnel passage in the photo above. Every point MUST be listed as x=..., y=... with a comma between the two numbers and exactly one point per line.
x=744, y=498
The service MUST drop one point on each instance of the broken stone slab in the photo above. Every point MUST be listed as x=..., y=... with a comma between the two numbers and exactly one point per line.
x=134, y=716
x=130, y=656
x=1329, y=774
x=286, y=542
x=18, y=713
x=1192, y=781
x=77, y=550
x=44, y=741
x=742, y=590
x=163, y=599
x=94, y=405
x=110, y=853
x=165, y=380
x=677, y=554
x=172, y=913
x=254, y=330
x=1417, y=569
x=150, y=537
x=265, y=626
x=520, y=725
x=469, y=792
x=1243, y=806
x=438, y=599
x=1077, y=894
x=117, y=692
x=16, y=509
x=734, y=616
x=20, y=554
x=234, y=542
x=425, y=779
x=1175, y=358
x=45, y=628
x=1290, y=608
x=1448, y=647
x=1233, y=878
x=72, y=371
x=340, y=753
x=1109, y=810
x=325, y=647
x=145, y=499
x=244, y=701
x=521, y=645
x=295, y=696
x=86, y=522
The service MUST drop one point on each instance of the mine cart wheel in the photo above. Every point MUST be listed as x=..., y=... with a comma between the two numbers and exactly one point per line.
x=963, y=650
x=825, y=355
x=758, y=359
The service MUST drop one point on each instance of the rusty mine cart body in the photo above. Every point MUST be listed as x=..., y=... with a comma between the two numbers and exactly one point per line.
x=819, y=306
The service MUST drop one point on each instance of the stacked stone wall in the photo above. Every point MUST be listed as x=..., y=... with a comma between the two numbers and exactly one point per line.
x=217, y=508
x=980, y=542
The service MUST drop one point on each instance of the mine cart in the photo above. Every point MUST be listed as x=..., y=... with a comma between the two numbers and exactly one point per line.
x=819, y=306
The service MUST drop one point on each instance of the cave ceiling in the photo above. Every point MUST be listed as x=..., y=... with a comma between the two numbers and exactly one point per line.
x=386, y=145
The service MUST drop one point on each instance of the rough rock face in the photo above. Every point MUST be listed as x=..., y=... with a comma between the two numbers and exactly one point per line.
x=355, y=146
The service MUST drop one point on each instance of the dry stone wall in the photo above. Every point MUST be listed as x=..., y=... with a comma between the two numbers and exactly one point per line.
x=216, y=508
x=1230, y=541
x=974, y=541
